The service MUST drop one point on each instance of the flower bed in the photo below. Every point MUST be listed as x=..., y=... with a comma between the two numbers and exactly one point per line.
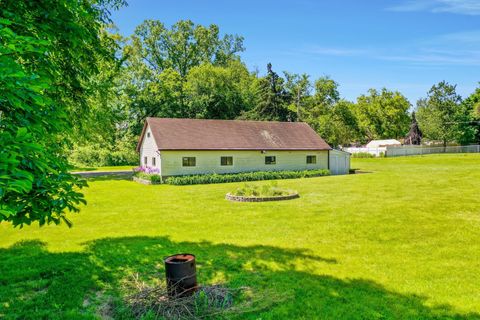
x=231, y=197
x=256, y=193
x=147, y=175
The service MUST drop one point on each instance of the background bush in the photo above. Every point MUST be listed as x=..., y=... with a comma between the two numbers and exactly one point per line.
x=98, y=156
x=246, y=176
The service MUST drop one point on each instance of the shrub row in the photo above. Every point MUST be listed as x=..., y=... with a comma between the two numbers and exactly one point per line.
x=97, y=156
x=247, y=176
x=367, y=155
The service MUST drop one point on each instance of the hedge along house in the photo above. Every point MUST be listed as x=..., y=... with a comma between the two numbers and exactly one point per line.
x=194, y=146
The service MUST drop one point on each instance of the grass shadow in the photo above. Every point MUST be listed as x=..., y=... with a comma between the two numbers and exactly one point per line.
x=110, y=177
x=81, y=169
x=36, y=283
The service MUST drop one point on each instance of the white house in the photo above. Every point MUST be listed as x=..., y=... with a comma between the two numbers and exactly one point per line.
x=194, y=146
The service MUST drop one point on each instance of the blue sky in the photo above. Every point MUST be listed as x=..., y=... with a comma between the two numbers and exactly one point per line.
x=400, y=44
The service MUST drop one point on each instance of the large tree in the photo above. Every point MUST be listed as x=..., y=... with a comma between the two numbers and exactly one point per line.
x=298, y=86
x=330, y=116
x=49, y=50
x=219, y=92
x=383, y=114
x=338, y=126
x=160, y=59
x=439, y=114
x=469, y=119
x=183, y=46
x=325, y=97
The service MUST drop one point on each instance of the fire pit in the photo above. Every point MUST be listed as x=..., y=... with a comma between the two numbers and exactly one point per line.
x=180, y=270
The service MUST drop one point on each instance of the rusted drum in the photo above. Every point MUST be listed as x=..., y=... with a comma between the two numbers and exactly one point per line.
x=181, y=273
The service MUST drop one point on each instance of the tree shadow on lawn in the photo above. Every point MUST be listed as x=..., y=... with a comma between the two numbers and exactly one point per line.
x=36, y=283
x=110, y=177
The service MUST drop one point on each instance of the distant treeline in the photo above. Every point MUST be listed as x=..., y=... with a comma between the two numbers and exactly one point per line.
x=192, y=71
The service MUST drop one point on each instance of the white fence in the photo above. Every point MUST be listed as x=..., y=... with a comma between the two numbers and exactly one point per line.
x=373, y=151
x=400, y=151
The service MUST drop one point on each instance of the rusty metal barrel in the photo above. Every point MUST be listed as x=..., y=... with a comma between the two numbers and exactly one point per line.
x=181, y=273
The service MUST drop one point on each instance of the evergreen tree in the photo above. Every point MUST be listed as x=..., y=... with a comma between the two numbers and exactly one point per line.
x=273, y=99
x=414, y=136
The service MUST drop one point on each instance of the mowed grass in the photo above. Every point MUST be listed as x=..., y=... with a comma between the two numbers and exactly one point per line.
x=400, y=242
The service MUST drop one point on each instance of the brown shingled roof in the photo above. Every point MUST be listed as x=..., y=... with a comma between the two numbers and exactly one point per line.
x=198, y=134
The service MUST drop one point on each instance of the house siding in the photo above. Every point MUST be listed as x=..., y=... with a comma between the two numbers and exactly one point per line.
x=149, y=149
x=243, y=161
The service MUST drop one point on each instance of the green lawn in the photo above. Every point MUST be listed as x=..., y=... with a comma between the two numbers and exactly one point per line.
x=401, y=242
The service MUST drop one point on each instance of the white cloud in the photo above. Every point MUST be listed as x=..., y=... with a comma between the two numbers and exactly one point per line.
x=460, y=49
x=466, y=7
x=335, y=51
x=465, y=38
x=425, y=58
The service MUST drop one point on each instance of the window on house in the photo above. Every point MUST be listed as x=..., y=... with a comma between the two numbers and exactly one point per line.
x=148, y=134
x=226, y=161
x=153, y=161
x=145, y=160
x=270, y=160
x=189, y=161
x=311, y=159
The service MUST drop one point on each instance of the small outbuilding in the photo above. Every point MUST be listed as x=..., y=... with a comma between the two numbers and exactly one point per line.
x=383, y=143
x=196, y=146
x=339, y=162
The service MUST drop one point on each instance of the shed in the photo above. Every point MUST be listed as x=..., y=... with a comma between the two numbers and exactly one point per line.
x=339, y=162
x=383, y=143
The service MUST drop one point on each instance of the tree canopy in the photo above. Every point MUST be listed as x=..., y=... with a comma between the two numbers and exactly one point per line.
x=158, y=63
x=383, y=115
x=440, y=113
x=469, y=129
x=49, y=50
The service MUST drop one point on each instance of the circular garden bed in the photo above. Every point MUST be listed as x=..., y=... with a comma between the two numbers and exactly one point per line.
x=232, y=197
x=259, y=193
